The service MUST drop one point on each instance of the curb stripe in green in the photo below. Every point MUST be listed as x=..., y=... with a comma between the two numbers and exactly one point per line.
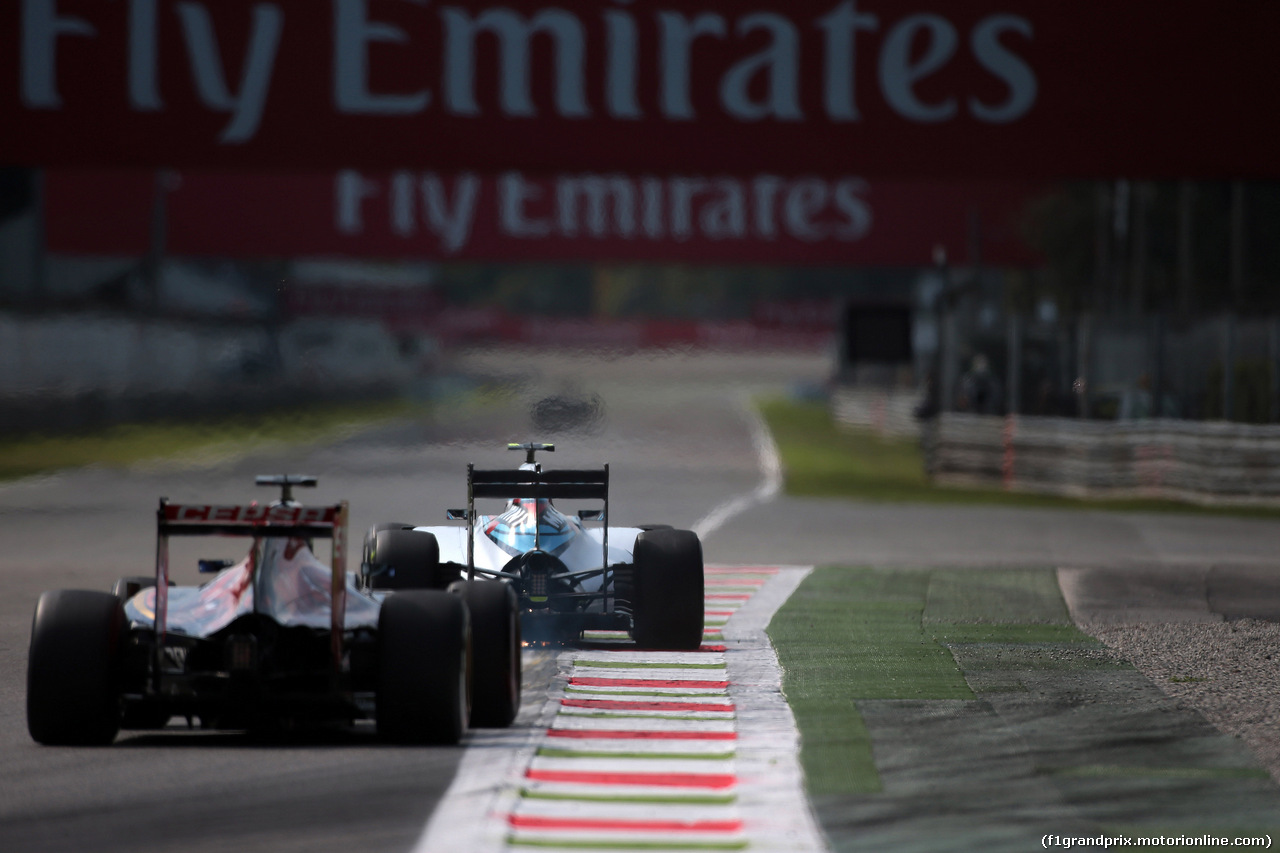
x=598, y=692
x=632, y=664
x=611, y=844
x=552, y=752
x=657, y=799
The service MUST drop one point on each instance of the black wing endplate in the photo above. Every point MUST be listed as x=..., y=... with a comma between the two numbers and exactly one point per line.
x=286, y=482
x=530, y=448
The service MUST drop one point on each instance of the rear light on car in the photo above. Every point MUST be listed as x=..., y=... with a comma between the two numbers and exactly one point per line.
x=538, y=586
x=241, y=653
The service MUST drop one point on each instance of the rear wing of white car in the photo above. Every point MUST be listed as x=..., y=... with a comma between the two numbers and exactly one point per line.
x=532, y=482
x=284, y=518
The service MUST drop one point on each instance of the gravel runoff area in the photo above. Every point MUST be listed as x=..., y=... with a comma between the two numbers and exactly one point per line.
x=1229, y=671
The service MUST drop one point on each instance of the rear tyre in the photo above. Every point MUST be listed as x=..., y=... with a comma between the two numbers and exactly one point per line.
x=424, y=639
x=400, y=557
x=385, y=525
x=73, y=670
x=667, y=603
x=495, y=651
x=127, y=587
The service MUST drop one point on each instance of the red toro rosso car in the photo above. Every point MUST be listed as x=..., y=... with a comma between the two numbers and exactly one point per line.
x=567, y=575
x=276, y=637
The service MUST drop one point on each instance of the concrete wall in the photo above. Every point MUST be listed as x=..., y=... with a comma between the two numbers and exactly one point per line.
x=80, y=370
x=889, y=411
x=1200, y=461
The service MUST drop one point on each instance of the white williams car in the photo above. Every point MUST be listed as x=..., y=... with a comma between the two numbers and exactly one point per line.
x=568, y=573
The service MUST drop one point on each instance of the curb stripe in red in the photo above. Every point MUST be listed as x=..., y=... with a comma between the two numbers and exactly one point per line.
x=620, y=734
x=662, y=780
x=533, y=822
x=645, y=682
x=611, y=705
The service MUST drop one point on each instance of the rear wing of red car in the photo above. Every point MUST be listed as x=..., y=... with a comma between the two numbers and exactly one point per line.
x=310, y=522
x=284, y=518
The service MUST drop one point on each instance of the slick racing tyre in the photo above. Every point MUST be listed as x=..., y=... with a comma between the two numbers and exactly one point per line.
x=495, y=651
x=667, y=605
x=73, y=671
x=399, y=557
x=127, y=587
x=141, y=715
x=424, y=639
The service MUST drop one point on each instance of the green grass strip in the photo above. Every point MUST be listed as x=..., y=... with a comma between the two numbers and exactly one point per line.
x=211, y=440
x=656, y=799
x=1025, y=596
x=611, y=844
x=1121, y=772
x=850, y=634
x=617, y=664
x=1003, y=634
x=552, y=752
x=856, y=634
x=823, y=459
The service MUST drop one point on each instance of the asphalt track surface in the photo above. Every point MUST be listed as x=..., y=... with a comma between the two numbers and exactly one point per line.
x=680, y=444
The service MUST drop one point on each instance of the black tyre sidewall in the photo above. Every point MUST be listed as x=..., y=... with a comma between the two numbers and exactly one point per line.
x=495, y=646
x=667, y=598
x=127, y=587
x=371, y=536
x=423, y=656
x=414, y=555
x=73, y=670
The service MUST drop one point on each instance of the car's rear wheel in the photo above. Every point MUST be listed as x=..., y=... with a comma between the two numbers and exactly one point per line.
x=73, y=670
x=667, y=594
x=127, y=587
x=495, y=651
x=424, y=639
x=399, y=557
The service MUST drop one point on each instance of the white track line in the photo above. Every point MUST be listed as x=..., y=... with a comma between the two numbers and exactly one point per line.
x=772, y=794
x=770, y=471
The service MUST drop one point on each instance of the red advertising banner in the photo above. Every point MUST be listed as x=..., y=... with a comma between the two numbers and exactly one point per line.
x=762, y=218
x=877, y=88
